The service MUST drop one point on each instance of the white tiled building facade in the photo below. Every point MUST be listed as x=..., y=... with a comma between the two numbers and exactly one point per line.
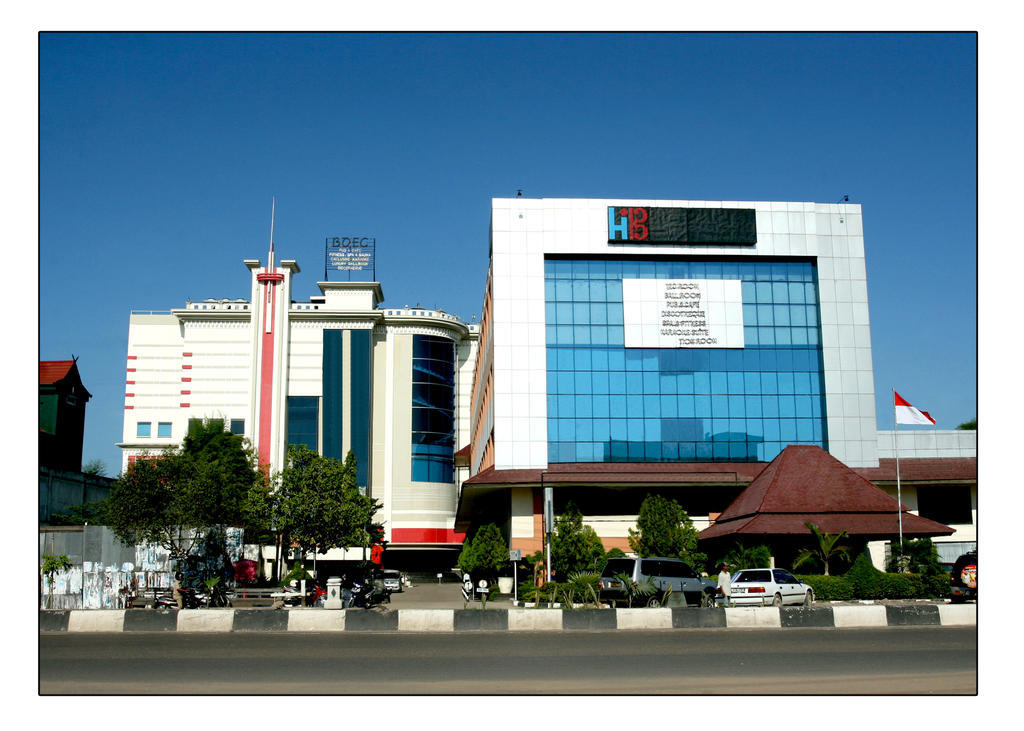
x=337, y=372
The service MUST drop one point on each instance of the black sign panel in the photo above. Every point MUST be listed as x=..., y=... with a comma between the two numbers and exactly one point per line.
x=682, y=225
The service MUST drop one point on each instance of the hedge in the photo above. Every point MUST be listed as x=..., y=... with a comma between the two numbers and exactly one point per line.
x=828, y=588
x=865, y=585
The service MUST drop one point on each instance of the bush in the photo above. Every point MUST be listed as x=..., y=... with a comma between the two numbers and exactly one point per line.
x=899, y=586
x=828, y=588
x=864, y=578
x=936, y=586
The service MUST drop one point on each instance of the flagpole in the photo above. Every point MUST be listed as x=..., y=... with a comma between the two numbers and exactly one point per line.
x=896, y=449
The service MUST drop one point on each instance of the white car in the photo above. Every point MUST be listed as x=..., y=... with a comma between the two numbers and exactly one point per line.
x=769, y=587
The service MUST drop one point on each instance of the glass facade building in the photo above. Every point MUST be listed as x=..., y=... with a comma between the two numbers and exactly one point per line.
x=433, y=409
x=610, y=403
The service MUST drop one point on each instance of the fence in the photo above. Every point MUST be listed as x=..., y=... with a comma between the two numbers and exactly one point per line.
x=105, y=573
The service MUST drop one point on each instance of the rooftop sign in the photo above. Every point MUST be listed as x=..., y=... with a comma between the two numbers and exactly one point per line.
x=350, y=254
x=681, y=225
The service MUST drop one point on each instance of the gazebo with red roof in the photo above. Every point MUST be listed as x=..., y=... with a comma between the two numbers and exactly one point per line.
x=805, y=484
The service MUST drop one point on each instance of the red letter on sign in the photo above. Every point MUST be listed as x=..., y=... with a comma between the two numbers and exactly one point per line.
x=637, y=230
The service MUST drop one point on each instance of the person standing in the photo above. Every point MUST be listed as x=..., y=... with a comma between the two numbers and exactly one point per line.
x=176, y=589
x=725, y=585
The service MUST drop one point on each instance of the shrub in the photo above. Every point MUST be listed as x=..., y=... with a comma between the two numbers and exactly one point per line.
x=899, y=586
x=828, y=588
x=918, y=555
x=864, y=578
x=936, y=586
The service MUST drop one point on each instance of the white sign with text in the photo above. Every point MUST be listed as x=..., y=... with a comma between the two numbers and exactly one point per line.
x=682, y=313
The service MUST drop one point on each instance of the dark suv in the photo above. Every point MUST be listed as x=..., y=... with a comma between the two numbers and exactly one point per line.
x=664, y=573
x=963, y=582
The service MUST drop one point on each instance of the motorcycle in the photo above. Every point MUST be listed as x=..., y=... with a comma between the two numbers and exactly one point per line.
x=314, y=596
x=190, y=599
x=365, y=594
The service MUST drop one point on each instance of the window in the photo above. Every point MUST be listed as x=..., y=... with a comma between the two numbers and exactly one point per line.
x=142, y=429
x=238, y=426
x=163, y=429
x=433, y=409
x=948, y=504
x=303, y=421
x=609, y=403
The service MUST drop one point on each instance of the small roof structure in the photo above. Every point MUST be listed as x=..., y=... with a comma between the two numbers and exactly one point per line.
x=807, y=484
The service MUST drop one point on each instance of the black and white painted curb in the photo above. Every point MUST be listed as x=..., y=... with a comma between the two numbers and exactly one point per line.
x=521, y=620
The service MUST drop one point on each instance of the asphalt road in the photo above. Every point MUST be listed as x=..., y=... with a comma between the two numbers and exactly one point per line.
x=904, y=660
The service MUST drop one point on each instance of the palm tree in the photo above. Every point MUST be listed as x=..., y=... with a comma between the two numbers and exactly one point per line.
x=827, y=546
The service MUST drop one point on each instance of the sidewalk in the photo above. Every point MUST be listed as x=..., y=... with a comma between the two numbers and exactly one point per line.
x=440, y=596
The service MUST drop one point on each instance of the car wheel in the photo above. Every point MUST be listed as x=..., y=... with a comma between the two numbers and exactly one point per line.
x=653, y=602
x=777, y=601
x=808, y=598
x=707, y=600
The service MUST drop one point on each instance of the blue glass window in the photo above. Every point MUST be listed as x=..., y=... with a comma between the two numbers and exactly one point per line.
x=610, y=403
x=433, y=408
x=303, y=421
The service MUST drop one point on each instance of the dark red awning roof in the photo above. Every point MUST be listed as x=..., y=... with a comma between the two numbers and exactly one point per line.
x=807, y=484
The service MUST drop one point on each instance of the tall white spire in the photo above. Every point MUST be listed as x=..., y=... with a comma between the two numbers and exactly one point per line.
x=270, y=257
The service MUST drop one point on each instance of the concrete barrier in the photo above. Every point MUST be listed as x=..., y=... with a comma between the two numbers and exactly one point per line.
x=533, y=620
x=644, y=618
x=206, y=620
x=958, y=614
x=91, y=620
x=752, y=617
x=498, y=620
x=867, y=615
x=316, y=621
x=426, y=620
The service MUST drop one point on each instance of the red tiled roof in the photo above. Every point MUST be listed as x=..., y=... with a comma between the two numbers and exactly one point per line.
x=858, y=524
x=807, y=484
x=51, y=371
x=961, y=469
x=619, y=472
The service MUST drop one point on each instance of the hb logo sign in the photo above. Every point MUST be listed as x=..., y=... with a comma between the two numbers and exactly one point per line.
x=628, y=224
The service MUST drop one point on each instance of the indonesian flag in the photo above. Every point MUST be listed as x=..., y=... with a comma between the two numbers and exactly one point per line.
x=907, y=414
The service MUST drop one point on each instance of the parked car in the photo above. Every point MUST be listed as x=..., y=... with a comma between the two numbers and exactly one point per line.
x=764, y=587
x=963, y=581
x=664, y=573
x=392, y=580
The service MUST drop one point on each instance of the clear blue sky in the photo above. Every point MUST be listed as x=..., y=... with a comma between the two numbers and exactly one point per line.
x=159, y=154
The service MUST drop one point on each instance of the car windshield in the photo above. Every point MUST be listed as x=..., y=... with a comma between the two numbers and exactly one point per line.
x=753, y=575
x=618, y=566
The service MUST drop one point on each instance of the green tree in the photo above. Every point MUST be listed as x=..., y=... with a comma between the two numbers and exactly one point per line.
x=152, y=502
x=320, y=507
x=486, y=553
x=971, y=425
x=663, y=528
x=227, y=468
x=176, y=497
x=53, y=565
x=95, y=467
x=747, y=557
x=93, y=512
x=574, y=546
x=825, y=547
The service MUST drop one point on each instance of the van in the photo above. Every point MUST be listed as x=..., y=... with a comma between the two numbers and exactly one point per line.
x=664, y=573
x=392, y=580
